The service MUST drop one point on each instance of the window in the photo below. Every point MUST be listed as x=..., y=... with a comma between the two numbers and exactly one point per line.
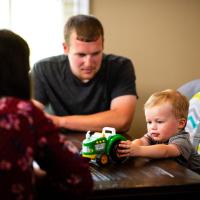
x=40, y=22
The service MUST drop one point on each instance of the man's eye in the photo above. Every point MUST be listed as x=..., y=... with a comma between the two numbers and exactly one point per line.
x=96, y=53
x=81, y=54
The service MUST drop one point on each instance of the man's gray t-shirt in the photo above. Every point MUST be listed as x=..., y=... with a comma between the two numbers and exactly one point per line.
x=55, y=85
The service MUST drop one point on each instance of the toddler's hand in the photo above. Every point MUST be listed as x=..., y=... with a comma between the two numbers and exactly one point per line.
x=123, y=149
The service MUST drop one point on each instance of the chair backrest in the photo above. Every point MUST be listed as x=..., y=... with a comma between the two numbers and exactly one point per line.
x=193, y=121
x=190, y=88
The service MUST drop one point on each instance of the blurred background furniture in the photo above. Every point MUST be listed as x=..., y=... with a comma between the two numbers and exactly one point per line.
x=190, y=88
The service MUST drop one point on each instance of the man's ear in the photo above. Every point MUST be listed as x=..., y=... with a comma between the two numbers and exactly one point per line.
x=65, y=48
x=182, y=123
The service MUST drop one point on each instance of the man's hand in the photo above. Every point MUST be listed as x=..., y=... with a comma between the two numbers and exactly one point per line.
x=56, y=119
x=38, y=104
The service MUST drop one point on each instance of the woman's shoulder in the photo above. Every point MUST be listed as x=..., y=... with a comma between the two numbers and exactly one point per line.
x=13, y=108
x=18, y=106
x=10, y=102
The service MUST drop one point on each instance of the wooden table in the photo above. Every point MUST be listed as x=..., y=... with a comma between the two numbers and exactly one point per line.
x=142, y=178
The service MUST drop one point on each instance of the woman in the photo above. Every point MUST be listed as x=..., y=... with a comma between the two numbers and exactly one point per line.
x=27, y=135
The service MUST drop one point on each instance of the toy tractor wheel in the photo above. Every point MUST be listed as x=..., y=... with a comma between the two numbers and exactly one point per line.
x=102, y=159
x=113, y=153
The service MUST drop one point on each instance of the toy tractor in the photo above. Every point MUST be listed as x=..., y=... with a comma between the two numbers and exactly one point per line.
x=102, y=147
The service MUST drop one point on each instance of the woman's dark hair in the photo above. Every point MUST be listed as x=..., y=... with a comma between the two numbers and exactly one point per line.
x=14, y=65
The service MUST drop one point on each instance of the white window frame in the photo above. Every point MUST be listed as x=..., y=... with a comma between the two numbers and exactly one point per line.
x=41, y=44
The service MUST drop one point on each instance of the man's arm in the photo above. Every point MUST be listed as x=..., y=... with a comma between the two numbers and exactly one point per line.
x=38, y=104
x=119, y=116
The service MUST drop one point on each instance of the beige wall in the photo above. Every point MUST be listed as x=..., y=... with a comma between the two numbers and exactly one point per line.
x=162, y=37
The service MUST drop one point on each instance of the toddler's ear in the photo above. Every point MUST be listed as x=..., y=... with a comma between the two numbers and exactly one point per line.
x=182, y=123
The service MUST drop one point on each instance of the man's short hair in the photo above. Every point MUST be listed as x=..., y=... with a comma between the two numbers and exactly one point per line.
x=87, y=27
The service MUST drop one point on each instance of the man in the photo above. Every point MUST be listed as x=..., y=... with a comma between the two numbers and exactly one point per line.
x=86, y=89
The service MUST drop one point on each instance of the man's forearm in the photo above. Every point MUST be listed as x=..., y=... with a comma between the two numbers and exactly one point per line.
x=119, y=116
x=94, y=122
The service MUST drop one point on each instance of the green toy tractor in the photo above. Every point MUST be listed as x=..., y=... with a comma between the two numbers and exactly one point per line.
x=102, y=147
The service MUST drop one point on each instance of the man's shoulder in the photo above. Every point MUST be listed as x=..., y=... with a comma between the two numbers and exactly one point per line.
x=115, y=58
x=117, y=63
x=53, y=59
x=52, y=64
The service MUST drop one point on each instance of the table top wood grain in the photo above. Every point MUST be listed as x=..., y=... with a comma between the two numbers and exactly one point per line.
x=141, y=177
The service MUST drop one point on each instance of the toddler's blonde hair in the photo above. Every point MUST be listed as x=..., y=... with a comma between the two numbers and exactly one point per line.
x=179, y=102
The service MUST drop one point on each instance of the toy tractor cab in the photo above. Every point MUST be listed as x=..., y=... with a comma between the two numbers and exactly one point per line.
x=102, y=147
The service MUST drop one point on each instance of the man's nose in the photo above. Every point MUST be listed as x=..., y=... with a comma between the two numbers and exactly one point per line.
x=88, y=60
